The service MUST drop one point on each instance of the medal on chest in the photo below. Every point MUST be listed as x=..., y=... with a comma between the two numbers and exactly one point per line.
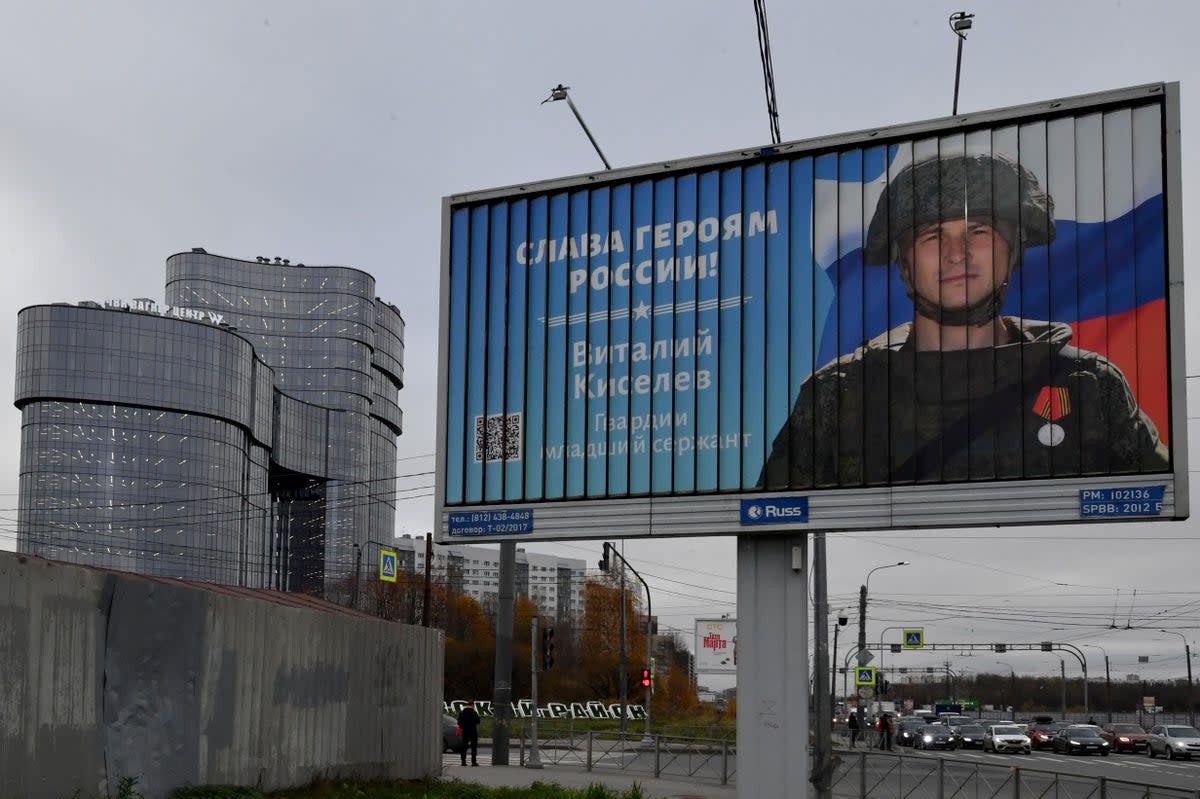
x=1052, y=404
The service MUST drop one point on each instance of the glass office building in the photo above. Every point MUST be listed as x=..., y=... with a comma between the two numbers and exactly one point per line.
x=242, y=432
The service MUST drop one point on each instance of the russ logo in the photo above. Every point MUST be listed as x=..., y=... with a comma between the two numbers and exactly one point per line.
x=781, y=510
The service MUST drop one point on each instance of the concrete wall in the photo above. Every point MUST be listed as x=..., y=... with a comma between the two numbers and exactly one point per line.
x=110, y=675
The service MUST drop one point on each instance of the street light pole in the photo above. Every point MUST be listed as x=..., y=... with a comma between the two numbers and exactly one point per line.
x=1062, y=663
x=960, y=23
x=862, y=626
x=1187, y=651
x=1107, y=680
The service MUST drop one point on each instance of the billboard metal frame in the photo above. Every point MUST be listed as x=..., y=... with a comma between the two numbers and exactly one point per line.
x=962, y=504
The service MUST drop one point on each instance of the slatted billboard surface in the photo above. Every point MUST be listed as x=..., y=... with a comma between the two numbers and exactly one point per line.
x=860, y=331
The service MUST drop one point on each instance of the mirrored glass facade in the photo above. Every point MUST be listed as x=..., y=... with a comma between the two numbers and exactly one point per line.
x=251, y=442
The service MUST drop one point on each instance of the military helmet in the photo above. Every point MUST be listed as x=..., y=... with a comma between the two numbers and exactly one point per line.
x=935, y=189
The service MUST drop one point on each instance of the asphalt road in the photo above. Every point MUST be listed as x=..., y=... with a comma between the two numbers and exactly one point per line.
x=1037, y=770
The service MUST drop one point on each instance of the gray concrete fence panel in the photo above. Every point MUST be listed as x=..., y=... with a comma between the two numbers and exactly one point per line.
x=111, y=675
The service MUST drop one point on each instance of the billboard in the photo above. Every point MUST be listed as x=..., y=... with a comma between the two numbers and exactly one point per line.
x=967, y=321
x=716, y=646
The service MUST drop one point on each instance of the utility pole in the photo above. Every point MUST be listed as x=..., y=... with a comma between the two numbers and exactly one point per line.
x=624, y=667
x=822, y=767
x=502, y=683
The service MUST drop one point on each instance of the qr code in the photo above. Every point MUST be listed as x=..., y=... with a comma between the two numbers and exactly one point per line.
x=498, y=437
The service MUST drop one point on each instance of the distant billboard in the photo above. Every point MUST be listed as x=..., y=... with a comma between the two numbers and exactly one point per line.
x=716, y=646
x=971, y=321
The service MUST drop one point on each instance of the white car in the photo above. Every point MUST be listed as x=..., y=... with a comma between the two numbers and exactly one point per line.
x=1006, y=738
x=1173, y=740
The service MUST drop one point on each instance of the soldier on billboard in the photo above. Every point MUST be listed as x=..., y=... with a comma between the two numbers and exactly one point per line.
x=962, y=392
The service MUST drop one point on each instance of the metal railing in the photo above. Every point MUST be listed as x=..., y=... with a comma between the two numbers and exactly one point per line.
x=877, y=774
x=702, y=759
x=862, y=773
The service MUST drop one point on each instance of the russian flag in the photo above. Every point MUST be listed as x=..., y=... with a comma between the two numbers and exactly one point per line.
x=1104, y=274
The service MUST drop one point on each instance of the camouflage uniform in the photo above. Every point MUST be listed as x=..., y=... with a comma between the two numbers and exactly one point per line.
x=1037, y=407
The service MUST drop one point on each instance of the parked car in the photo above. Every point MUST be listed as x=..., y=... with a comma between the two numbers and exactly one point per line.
x=1124, y=737
x=935, y=736
x=1081, y=739
x=1006, y=738
x=908, y=730
x=969, y=736
x=452, y=739
x=1173, y=740
x=1041, y=733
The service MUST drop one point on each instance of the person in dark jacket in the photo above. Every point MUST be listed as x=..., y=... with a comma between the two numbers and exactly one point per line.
x=962, y=392
x=468, y=720
x=852, y=725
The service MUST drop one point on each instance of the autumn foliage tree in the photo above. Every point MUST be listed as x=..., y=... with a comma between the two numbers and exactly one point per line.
x=600, y=641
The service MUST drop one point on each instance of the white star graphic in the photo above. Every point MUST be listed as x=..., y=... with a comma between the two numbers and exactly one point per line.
x=641, y=311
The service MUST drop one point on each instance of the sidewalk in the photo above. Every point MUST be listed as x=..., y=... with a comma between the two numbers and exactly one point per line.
x=577, y=776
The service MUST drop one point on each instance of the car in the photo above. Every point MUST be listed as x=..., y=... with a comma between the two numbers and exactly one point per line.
x=1081, y=739
x=935, y=736
x=1173, y=740
x=969, y=736
x=1006, y=738
x=908, y=730
x=1041, y=733
x=452, y=737
x=1124, y=737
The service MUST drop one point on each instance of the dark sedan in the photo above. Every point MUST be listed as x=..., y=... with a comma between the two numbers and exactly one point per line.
x=1124, y=737
x=1080, y=740
x=908, y=731
x=452, y=740
x=969, y=736
x=935, y=736
x=1041, y=733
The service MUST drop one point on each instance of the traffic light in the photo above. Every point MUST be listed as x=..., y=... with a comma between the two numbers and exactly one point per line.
x=604, y=559
x=646, y=678
x=547, y=648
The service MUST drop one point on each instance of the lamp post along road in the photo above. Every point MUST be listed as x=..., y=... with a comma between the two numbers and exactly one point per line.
x=1107, y=680
x=863, y=657
x=1187, y=652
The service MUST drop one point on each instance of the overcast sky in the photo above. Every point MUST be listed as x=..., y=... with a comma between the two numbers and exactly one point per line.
x=329, y=132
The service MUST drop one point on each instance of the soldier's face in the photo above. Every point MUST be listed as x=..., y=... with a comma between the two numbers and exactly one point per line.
x=957, y=263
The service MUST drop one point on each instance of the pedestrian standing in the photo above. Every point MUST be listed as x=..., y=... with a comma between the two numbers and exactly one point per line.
x=852, y=724
x=468, y=720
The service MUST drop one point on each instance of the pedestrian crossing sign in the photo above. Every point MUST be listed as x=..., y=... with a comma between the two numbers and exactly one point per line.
x=387, y=565
x=914, y=639
x=864, y=675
